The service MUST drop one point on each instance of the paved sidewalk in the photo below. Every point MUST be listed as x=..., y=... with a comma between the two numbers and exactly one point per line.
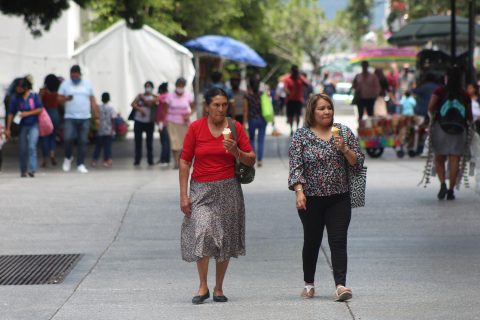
x=410, y=255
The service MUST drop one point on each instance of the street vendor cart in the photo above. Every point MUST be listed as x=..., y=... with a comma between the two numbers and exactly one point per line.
x=398, y=131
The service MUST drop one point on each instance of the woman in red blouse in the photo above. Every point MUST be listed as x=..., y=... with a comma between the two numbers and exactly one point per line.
x=318, y=161
x=214, y=223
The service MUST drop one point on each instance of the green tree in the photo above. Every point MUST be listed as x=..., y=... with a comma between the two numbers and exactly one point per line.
x=356, y=18
x=422, y=8
x=304, y=31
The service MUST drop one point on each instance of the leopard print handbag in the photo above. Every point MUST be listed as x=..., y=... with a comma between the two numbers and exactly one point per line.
x=357, y=181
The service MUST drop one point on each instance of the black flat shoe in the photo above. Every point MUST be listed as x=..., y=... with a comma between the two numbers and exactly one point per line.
x=201, y=299
x=220, y=298
x=450, y=195
x=443, y=192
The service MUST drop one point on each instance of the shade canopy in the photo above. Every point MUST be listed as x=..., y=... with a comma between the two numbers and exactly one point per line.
x=382, y=56
x=433, y=28
x=227, y=48
x=120, y=60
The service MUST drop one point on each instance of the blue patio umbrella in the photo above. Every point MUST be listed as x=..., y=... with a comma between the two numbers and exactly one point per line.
x=226, y=48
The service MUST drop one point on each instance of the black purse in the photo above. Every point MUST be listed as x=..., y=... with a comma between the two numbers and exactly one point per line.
x=244, y=174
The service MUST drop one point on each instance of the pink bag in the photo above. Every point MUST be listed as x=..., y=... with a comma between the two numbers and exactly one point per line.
x=45, y=125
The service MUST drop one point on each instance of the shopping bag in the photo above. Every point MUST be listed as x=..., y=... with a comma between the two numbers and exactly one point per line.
x=267, y=107
x=45, y=124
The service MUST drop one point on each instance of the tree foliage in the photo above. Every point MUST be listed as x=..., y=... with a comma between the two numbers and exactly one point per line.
x=304, y=30
x=356, y=18
x=415, y=9
x=279, y=30
x=38, y=15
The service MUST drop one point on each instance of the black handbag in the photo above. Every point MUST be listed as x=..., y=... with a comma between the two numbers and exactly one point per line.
x=131, y=116
x=244, y=174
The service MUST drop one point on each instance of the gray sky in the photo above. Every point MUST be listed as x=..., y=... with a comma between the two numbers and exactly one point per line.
x=332, y=6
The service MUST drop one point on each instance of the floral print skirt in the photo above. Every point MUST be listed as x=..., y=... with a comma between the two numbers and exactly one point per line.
x=216, y=227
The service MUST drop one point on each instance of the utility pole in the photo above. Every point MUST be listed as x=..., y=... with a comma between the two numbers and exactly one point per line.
x=471, y=41
x=453, y=33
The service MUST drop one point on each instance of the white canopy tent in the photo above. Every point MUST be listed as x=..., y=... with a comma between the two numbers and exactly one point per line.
x=120, y=60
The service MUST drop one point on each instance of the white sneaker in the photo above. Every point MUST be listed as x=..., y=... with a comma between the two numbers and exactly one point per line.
x=81, y=168
x=67, y=164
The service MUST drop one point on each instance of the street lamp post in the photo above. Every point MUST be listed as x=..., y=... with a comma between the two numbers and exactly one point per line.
x=453, y=33
x=471, y=41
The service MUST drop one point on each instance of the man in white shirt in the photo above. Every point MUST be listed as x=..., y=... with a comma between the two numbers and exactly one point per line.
x=77, y=95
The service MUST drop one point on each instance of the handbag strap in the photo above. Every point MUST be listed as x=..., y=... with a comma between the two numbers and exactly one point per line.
x=231, y=124
x=233, y=129
x=345, y=139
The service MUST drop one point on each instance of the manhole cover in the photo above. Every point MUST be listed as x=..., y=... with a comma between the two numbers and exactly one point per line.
x=36, y=269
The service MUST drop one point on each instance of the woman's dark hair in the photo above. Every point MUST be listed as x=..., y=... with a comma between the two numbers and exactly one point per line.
x=52, y=83
x=213, y=92
x=24, y=83
x=254, y=84
x=454, y=83
x=181, y=82
x=163, y=88
x=311, y=105
x=148, y=83
x=105, y=97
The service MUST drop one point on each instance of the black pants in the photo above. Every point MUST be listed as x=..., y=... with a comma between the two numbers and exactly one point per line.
x=333, y=212
x=164, y=146
x=365, y=104
x=138, y=129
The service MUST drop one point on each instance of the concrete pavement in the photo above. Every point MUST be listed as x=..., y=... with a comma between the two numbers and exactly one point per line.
x=410, y=255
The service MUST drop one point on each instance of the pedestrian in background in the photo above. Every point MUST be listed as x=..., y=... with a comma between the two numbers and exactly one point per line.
x=180, y=108
x=328, y=85
x=447, y=146
x=105, y=132
x=367, y=89
x=144, y=122
x=161, y=121
x=406, y=80
x=25, y=106
x=238, y=96
x=49, y=96
x=3, y=137
x=318, y=175
x=214, y=222
x=77, y=96
x=408, y=104
x=380, y=106
x=294, y=85
x=252, y=114
x=472, y=90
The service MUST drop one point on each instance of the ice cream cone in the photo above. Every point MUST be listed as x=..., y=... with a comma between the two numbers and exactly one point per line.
x=335, y=131
x=226, y=133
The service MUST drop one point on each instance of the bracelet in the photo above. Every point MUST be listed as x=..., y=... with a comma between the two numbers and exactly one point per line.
x=299, y=189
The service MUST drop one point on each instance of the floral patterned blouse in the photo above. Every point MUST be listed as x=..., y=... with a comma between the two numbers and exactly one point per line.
x=318, y=165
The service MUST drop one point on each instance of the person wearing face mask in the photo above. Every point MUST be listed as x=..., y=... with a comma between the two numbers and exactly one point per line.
x=79, y=100
x=319, y=157
x=24, y=109
x=144, y=122
x=180, y=108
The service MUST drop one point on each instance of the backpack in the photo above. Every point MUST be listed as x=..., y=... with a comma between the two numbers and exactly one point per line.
x=452, y=116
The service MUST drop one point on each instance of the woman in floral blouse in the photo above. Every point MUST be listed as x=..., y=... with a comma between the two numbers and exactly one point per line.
x=318, y=161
